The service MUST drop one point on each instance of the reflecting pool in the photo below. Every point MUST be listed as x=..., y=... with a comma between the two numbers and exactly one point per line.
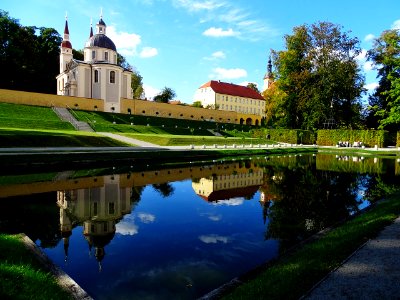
x=180, y=231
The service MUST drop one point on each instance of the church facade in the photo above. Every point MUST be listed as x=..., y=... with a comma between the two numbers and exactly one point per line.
x=98, y=76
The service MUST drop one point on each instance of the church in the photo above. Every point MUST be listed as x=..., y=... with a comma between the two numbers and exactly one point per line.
x=98, y=76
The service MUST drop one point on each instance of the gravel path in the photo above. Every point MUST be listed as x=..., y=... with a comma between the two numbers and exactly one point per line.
x=372, y=272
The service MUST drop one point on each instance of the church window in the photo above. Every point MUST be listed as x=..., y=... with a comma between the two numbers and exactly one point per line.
x=112, y=77
x=95, y=209
x=96, y=76
x=111, y=208
x=93, y=54
x=106, y=56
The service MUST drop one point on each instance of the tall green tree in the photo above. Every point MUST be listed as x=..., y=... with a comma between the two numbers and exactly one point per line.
x=29, y=54
x=317, y=78
x=137, y=85
x=384, y=109
x=253, y=86
x=166, y=95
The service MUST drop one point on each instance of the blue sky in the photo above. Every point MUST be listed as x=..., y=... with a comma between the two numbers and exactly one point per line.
x=182, y=44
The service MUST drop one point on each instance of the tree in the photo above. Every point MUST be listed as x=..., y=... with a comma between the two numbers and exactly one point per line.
x=384, y=103
x=253, y=86
x=78, y=54
x=29, y=54
x=137, y=85
x=317, y=70
x=122, y=62
x=197, y=104
x=165, y=189
x=166, y=95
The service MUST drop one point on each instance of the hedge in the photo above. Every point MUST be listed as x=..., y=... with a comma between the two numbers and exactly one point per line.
x=369, y=138
x=291, y=136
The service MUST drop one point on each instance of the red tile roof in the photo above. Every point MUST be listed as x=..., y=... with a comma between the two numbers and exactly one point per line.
x=232, y=89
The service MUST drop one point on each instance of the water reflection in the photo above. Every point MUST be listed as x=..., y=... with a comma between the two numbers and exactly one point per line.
x=179, y=232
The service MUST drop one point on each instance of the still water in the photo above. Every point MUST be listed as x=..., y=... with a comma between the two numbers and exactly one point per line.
x=179, y=231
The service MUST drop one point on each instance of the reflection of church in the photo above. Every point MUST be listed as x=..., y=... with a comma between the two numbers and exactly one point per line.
x=98, y=209
x=242, y=181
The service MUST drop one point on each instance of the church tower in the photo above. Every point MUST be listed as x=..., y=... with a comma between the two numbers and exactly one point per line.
x=66, y=49
x=268, y=78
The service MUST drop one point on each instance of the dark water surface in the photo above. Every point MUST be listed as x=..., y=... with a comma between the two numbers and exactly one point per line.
x=177, y=232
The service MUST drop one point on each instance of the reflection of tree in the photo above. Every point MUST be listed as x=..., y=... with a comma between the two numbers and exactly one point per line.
x=377, y=187
x=136, y=193
x=309, y=201
x=165, y=189
x=36, y=215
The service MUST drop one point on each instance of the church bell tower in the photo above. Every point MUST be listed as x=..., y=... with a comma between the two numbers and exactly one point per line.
x=66, y=49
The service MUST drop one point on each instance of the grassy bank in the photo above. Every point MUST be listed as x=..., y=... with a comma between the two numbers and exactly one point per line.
x=184, y=140
x=294, y=274
x=21, y=275
x=17, y=137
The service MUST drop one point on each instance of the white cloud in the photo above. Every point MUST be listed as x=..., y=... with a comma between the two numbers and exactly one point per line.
x=219, y=32
x=222, y=73
x=150, y=91
x=216, y=55
x=148, y=52
x=240, y=21
x=371, y=86
x=125, y=42
x=127, y=226
x=369, y=37
x=368, y=66
x=396, y=25
x=146, y=218
x=230, y=202
x=192, y=5
x=213, y=239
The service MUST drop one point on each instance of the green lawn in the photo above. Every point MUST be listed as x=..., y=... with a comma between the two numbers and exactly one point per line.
x=293, y=275
x=30, y=117
x=14, y=137
x=184, y=140
x=21, y=275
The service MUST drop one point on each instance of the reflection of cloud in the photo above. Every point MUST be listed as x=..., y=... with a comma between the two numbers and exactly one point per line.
x=213, y=239
x=230, y=202
x=146, y=218
x=127, y=226
x=215, y=218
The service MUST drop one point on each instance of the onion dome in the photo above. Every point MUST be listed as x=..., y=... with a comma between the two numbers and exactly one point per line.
x=101, y=41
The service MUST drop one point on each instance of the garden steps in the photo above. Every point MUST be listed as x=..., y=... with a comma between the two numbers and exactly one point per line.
x=65, y=115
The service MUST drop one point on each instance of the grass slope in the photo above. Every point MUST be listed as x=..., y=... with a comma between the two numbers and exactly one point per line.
x=30, y=117
x=21, y=275
x=16, y=137
x=293, y=275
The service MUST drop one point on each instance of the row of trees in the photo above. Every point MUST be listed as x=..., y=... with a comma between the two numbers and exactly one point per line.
x=317, y=79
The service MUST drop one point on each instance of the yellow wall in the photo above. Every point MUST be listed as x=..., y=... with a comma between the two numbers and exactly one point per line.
x=137, y=107
x=150, y=108
x=28, y=98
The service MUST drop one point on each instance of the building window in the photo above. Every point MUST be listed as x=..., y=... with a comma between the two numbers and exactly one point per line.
x=112, y=77
x=106, y=56
x=93, y=54
x=96, y=76
x=95, y=209
x=111, y=208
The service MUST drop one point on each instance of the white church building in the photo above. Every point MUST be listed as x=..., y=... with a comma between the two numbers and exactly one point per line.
x=98, y=76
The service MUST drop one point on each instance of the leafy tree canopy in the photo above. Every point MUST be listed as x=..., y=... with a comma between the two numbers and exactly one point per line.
x=253, y=86
x=29, y=54
x=166, y=95
x=317, y=78
x=384, y=103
